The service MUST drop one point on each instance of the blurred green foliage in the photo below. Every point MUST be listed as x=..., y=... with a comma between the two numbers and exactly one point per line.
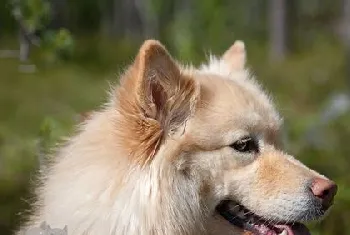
x=36, y=13
x=35, y=17
x=39, y=109
x=57, y=45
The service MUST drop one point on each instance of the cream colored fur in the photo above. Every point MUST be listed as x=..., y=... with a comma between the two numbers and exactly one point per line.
x=96, y=186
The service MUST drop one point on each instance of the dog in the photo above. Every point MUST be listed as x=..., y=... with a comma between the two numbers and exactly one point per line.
x=181, y=150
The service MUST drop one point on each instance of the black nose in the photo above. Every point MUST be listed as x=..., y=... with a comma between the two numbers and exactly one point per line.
x=324, y=190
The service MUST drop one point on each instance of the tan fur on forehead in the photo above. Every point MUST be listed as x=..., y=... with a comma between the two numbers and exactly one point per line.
x=235, y=105
x=154, y=99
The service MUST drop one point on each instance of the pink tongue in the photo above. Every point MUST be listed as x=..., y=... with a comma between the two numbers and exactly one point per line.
x=296, y=229
x=287, y=228
x=264, y=230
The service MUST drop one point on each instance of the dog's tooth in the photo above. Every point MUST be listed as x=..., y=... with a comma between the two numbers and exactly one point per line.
x=284, y=232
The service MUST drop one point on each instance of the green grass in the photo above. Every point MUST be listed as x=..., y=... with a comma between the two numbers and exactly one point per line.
x=59, y=92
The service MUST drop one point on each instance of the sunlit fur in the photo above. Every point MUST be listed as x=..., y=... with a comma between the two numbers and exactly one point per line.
x=157, y=158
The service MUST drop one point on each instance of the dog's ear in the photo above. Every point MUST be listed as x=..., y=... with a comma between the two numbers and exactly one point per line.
x=235, y=56
x=158, y=79
x=155, y=99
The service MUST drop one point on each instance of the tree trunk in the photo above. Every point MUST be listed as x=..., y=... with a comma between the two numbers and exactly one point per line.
x=148, y=18
x=345, y=34
x=59, y=17
x=117, y=15
x=107, y=21
x=24, y=47
x=126, y=19
x=277, y=13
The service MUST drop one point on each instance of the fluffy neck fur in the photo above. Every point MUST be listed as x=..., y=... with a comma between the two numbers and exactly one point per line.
x=158, y=199
x=132, y=199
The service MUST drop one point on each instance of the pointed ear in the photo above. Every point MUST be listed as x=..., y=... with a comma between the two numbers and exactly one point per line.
x=158, y=77
x=235, y=56
x=155, y=99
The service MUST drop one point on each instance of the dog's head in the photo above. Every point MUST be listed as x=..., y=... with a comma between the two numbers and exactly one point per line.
x=216, y=127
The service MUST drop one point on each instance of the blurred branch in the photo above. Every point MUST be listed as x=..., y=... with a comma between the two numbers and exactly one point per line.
x=26, y=37
x=29, y=36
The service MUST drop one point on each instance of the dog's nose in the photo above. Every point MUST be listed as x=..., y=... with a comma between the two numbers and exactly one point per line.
x=325, y=190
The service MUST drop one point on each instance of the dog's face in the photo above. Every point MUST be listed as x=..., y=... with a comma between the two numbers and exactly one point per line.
x=218, y=128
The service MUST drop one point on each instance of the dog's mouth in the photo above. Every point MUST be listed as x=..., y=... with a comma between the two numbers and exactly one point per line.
x=241, y=217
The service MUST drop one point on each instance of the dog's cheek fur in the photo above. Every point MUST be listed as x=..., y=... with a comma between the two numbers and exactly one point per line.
x=217, y=172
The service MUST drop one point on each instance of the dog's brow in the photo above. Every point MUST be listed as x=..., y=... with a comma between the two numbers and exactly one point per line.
x=248, y=120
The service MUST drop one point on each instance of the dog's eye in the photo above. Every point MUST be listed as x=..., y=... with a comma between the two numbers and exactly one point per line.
x=246, y=144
